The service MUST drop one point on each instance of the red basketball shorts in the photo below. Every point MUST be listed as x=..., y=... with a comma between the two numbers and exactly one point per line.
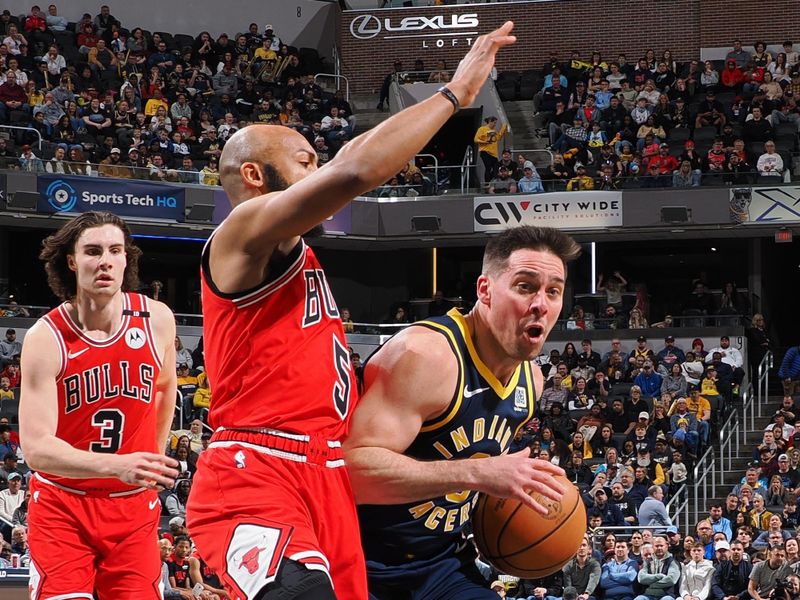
x=80, y=544
x=252, y=506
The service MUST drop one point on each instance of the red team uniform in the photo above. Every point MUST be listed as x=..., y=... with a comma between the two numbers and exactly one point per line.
x=272, y=484
x=88, y=534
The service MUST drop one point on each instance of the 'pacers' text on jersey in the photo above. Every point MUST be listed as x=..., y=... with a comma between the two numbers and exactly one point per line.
x=481, y=421
x=106, y=389
x=276, y=355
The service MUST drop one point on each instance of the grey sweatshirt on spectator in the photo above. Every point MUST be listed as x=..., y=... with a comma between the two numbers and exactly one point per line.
x=584, y=579
x=653, y=512
x=765, y=577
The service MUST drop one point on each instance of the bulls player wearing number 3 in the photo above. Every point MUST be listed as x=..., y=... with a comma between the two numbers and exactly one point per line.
x=95, y=413
x=271, y=510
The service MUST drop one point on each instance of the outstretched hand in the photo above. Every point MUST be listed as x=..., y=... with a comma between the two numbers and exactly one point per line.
x=475, y=67
x=146, y=469
x=518, y=475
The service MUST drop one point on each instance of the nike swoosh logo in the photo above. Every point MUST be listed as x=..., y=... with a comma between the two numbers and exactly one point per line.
x=72, y=355
x=153, y=503
x=468, y=393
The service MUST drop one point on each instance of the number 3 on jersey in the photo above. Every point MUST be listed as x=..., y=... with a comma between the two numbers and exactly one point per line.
x=111, y=423
x=341, y=389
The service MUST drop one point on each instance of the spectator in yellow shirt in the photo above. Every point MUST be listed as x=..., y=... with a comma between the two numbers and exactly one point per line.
x=487, y=138
x=5, y=389
x=581, y=181
x=202, y=395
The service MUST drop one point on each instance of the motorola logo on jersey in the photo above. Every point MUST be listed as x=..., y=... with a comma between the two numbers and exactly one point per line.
x=135, y=338
x=61, y=195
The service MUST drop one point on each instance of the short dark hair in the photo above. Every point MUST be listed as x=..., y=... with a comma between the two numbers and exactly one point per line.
x=499, y=248
x=56, y=248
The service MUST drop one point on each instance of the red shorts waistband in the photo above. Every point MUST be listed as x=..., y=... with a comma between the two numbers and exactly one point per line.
x=308, y=448
x=89, y=493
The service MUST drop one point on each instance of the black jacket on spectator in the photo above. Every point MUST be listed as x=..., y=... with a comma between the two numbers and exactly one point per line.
x=550, y=96
x=731, y=580
x=757, y=131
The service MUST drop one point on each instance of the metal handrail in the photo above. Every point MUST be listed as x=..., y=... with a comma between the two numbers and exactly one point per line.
x=748, y=413
x=466, y=166
x=625, y=530
x=527, y=151
x=20, y=128
x=680, y=503
x=337, y=78
x=763, y=380
x=705, y=467
x=729, y=440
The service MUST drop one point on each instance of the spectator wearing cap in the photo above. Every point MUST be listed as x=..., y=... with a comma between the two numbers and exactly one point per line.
x=10, y=347
x=502, y=183
x=11, y=498
x=684, y=419
x=112, y=166
x=581, y=181
x=572, y=139
x=789, y=475
x=669, y=355
x=649, y=381
x=710, y=112
x=530, y=182
x=731, y=573
x=10, y=461
x=665, y=163
x=611, y=514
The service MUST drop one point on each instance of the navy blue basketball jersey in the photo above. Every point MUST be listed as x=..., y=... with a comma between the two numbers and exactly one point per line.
x=481, y=421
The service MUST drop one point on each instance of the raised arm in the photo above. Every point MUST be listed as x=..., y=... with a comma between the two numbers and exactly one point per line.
x=409, y=381
x=258, y=225
x=38, y=419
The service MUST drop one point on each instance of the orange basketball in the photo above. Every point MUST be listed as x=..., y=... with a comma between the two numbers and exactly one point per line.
x=521, y=542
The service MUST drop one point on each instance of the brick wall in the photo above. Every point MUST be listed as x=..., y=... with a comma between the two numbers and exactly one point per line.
x=610, y=26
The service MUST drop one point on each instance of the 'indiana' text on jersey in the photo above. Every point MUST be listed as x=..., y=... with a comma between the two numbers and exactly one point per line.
x=481, y=421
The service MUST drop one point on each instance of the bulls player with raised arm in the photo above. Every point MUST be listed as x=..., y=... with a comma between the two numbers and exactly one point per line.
x=271, y=510
x=95, y=413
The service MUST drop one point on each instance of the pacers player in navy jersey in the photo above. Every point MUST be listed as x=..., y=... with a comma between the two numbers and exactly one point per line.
x=445, y=390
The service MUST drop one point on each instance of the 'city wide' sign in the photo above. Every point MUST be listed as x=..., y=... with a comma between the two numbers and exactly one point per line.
x=563, y=210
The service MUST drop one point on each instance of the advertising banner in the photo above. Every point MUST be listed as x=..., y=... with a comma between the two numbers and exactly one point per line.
x=563, y=210
x=126, y=198
x=764, y=205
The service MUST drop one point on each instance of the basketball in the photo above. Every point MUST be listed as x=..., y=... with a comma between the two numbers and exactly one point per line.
x=519, y=541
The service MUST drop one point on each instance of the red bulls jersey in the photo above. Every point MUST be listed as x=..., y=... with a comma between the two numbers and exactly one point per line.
x=276, y=355
x=106, y=389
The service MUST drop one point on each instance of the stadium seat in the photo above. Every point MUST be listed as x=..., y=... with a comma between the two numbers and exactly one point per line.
x=529, y=84
x=507, y=89
x=678, y=135
x=168, y=40
x=183, y=40
x=705, y=133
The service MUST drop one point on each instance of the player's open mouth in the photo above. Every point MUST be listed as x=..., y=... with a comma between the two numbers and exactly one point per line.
x=534, y=331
